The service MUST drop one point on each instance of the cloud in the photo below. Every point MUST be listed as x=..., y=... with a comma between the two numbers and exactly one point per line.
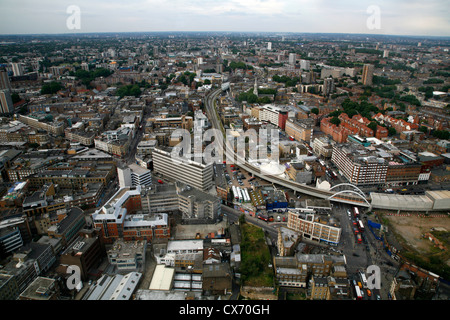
x=344, y=16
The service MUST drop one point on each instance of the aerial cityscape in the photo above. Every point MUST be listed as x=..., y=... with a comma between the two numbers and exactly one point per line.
x=262, y=164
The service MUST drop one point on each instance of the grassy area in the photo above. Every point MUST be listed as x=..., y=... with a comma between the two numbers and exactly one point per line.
x=255, y=257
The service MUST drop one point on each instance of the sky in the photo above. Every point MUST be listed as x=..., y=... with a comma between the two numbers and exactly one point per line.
x=387, y=17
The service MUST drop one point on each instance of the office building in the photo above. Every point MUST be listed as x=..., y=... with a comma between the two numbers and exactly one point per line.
x=195, y=174
x=359, y=165
x=300, y=130
x=134, y=175
x=196, y=205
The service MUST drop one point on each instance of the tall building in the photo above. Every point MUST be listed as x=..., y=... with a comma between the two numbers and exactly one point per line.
x=367, y=74
x=269, y=45
x=328, y=86
x=195, y=174
x=305, y=64
x=17, y=69
x=4, y=80
x=6, y=103
x=292, y=58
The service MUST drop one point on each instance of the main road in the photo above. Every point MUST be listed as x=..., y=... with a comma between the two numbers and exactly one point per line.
x=242, y=162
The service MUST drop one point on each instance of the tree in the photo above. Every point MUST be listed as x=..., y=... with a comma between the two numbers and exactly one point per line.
x=51, y=88
x=391, y=131
x=336, y=121
x=315, y=110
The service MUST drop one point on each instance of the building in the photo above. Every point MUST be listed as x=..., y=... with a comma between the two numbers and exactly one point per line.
x=116, y=287
x=217, y=279
x=10, y=240
x=55, y=128
x=134, y=175
x=292, y=59
x=160, y=198
x=196, y=205
x=128, y=255
x=4, y=80
x=86, y=252
x=195, y=174
x=315, y=227
x=6, y=103
x=328, y=86
x=69, y=223
x=287, y=241
x=120, y=217
x=8, y=287
x=41, y=288
x=367, y=74
x=322, y=147
x=300, y=130
x=358, y=165
x=319, y=289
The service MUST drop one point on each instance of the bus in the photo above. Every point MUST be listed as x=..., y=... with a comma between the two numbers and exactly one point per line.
x=358, y=293
x=355, y=212
x=358, y=238
x=235, y=193
x=363, y=279
x=263, y=217
x=360, y=226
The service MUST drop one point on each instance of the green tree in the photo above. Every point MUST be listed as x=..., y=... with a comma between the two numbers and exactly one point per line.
x=315, y=110
x=336, y=121
x=391, y=131
x=51, y=88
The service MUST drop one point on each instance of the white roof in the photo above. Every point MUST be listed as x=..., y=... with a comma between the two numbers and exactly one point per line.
x=162, y=278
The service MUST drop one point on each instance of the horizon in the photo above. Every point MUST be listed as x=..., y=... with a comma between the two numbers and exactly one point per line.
x=280, y=33
x=401, y=18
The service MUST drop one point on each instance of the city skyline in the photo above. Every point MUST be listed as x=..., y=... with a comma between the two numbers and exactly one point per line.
x=413, y=18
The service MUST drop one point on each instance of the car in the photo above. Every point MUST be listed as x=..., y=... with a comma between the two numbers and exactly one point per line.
x=378, y=297
x=369, y=293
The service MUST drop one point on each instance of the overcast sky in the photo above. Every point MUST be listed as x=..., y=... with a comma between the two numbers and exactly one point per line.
x=396, y=17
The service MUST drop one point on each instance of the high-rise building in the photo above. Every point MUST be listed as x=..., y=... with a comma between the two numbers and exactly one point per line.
x=17, y=69
x=4, y=80
x=6, y=103
x=269, y=46
x=305, y=64
x=367, y=74
x=292, y=58
x=328, y=86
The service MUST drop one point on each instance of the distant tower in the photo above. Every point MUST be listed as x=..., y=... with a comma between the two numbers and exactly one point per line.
x=255, y=88
x=269, y=46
